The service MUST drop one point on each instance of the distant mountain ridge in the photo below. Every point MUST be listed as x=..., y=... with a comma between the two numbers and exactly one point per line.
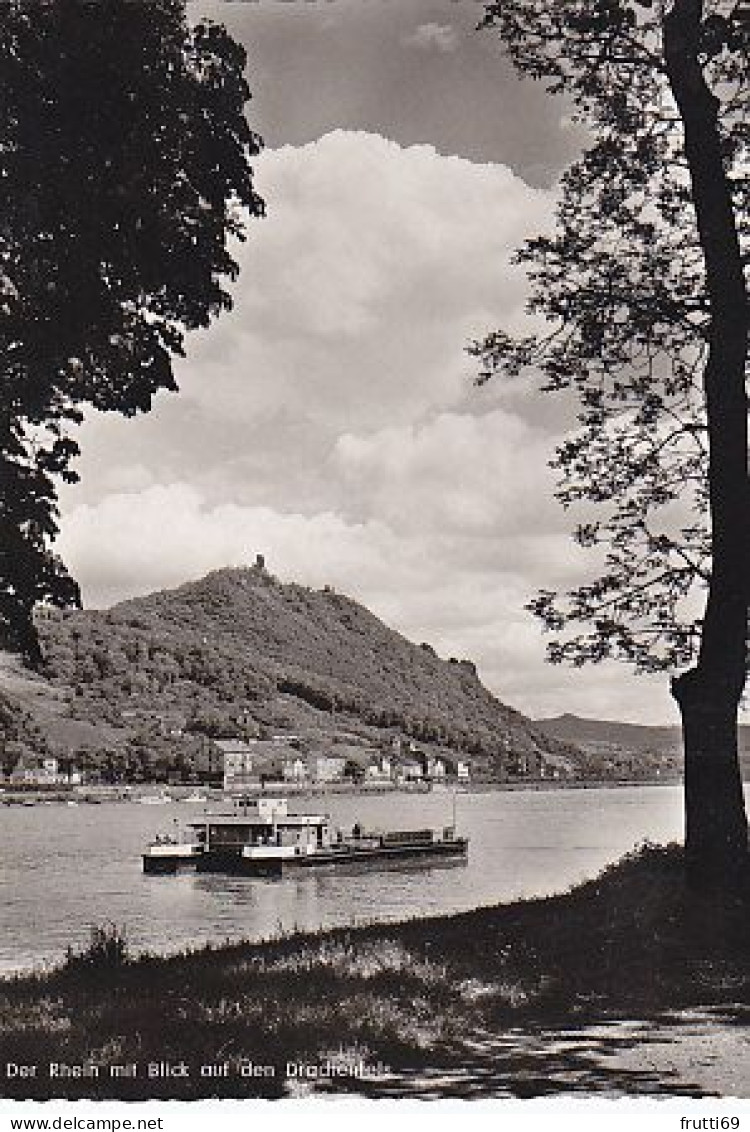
x=607, y=737
x=239, y=653
x=641, y=736
x=637, y=736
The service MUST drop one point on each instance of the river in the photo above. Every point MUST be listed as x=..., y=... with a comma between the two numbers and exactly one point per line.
x=66, y=868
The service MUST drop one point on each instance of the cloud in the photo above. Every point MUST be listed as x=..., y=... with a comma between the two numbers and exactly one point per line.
x=376, y=265
x=131, y=542
x=356, y=300
x=459, y=474
x=432, y=37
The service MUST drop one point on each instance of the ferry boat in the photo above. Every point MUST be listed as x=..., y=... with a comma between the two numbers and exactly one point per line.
x=261, y=838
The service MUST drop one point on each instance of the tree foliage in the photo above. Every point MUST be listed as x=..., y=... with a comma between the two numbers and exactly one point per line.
x=621, y=284
x=125, y=174
x=644, y=286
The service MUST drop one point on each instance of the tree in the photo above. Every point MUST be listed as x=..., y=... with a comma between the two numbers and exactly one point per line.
x=642, y=283
x=29, y=572
x=125, y=173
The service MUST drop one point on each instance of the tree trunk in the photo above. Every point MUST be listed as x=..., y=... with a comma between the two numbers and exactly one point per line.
x=716, y=825
x=29, y=643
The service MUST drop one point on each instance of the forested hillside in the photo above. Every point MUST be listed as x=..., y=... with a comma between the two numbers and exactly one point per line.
x=239, y=653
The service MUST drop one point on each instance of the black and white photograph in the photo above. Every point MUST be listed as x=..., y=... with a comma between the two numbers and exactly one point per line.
x=374, y=554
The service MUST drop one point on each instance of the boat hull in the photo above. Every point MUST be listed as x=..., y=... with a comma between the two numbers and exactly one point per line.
x=216, y=861
x=167, y=866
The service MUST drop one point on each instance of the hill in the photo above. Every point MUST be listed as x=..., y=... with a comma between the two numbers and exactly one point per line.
x=604, y=732
x=660, y=746
x=238, y=653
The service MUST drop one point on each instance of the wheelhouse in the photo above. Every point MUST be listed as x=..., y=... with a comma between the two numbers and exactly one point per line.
x=259, y=824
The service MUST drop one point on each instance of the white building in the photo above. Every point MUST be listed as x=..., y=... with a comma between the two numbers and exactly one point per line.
x=45, y=772
x=409, y=770
x=238, y=761
x=326, y=768
x=435, y=768
x=294, y=768
x=379, y=769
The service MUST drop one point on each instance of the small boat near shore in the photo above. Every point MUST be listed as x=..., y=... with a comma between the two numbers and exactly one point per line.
x=261, y=838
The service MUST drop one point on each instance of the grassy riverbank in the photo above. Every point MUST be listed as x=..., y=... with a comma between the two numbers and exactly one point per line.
x=630, y=944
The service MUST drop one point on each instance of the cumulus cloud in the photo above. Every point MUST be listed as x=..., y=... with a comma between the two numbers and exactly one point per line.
x=458, y=473
x=375, y=266
x=135, y=541
x=357, y=297
x=432, y=37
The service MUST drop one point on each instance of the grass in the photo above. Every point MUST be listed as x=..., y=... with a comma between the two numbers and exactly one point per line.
x=106, y=953
x=631, y=943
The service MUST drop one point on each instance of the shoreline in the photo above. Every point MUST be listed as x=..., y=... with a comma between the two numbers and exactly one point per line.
x=97, y=795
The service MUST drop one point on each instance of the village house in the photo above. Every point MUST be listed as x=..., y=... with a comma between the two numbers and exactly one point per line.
x=44, y=772
x=523, y=764
x=326, y=767
x=556, y=767
x=294, y=767
x=458, y=770
x=434, y=767
x=415, y=765
x=250, y=763
x=409, y=769
x=379, y=768
x=238, y=762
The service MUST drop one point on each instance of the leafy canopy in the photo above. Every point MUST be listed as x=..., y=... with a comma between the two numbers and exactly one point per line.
x=124, y=175
x=621, y=287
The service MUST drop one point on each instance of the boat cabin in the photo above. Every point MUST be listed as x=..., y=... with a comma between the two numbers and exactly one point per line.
x=260, y=827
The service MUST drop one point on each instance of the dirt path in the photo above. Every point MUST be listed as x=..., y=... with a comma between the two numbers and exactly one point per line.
x=697, y=1053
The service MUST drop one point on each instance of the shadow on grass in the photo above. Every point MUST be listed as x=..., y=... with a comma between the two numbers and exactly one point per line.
x=523, y=1064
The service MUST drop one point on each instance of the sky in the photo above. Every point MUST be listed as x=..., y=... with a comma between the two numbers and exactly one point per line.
x=331, y=421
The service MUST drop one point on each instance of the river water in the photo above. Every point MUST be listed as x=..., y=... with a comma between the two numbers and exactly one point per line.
x=66, y=868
